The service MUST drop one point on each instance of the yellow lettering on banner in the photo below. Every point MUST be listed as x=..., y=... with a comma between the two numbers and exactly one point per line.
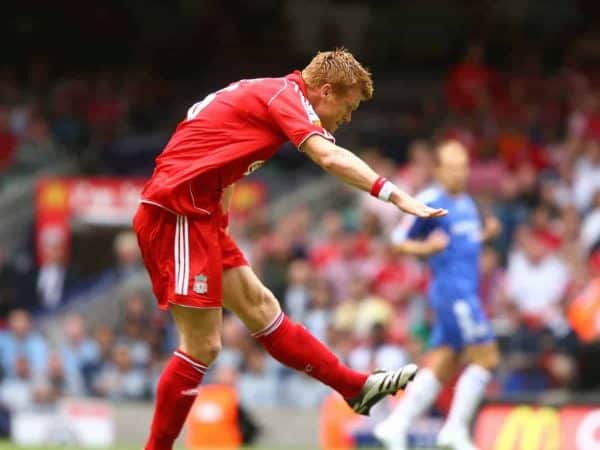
x=526, y=428
x=54, y=195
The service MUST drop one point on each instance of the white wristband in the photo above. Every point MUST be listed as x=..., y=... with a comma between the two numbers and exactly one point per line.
x=386, y=191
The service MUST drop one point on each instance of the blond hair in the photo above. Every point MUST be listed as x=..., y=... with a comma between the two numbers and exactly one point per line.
x=340, y=69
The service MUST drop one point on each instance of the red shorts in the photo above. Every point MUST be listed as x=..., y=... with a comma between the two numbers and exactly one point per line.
x=185, y=256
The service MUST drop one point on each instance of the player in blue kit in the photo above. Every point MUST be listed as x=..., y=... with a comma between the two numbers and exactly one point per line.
x=452, y=245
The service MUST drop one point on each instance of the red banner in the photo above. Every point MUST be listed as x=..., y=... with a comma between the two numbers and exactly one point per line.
x=524, y=427
x=59, y=201
x=52, y=219
x=105, y=201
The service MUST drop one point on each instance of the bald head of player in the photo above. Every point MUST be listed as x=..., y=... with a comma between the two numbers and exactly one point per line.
x=336, y=83
x=452, y=166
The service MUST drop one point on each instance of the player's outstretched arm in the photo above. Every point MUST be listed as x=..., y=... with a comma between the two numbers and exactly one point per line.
x=434, y=243
x=354, y=171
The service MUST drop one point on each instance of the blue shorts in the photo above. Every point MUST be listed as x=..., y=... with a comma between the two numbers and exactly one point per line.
x=460, y=323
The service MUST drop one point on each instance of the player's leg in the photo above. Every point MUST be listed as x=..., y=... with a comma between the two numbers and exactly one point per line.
x=481, y=352
x=470, y=387
x=199, y=344
x=176, y=251
x=292, y=345
x=289, y=343
x=440, y=365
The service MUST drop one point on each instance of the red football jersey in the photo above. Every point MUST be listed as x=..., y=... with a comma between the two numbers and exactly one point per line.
x=229, y=134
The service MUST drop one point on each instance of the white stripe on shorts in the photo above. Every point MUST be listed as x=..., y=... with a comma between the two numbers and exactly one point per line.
x=182, y=256
x=186, y=252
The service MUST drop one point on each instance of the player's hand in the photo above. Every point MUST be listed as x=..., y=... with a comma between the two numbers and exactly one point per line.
x=491, y=227
x=437, y=241
x=413, y=206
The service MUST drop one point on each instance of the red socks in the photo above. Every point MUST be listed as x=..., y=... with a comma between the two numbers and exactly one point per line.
x=291, y=344
x=176, y=392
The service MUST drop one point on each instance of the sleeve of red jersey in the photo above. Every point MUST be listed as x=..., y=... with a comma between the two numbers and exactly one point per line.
x=294, y=115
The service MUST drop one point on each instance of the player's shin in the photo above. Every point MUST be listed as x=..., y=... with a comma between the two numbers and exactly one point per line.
x=419, y=397
x=175, y=394
x=469, y=392
x=292, y=345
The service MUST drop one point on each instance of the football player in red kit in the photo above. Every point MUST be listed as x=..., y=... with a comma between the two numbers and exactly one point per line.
x=195, y=266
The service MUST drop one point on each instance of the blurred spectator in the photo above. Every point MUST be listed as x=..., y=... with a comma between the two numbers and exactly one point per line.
x=544, y=227
x=135, y=309
x=300, y=391
x=235, y=341
x=7, y=287
x=8, y=141
x=20, y=341
x=58, y=382
x=344, y=265
x=492, y=280
x=590, y=227
x=36, y=147
x=127, y=252
x=17, y=390
x=318, y=314
x=471, y=83
x=377, y=352
x=527, y=286
x=511, y=211
x=296, y=296
x=79, y=353
x=119, y=379
x=47, y=287
x=521, y=371
x=104, y=339
x=361, y=310
x=327, y=247
x=258, y=380
x=398, y=278
x=417, y=173
x=587, y=175
x=134, y=338
x=67, y=126
x=562, y=188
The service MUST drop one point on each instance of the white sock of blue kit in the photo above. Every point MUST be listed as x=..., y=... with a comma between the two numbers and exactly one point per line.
x=419, y=396
x=469, y=392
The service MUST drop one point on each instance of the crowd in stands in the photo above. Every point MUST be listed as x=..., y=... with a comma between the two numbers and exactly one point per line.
x=534, y=142
x=114, y=121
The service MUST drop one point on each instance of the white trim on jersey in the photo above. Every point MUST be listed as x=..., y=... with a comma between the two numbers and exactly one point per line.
x=182, y=256
x=312, y=133
x=278, y=92
x=311, y=115
x=205, y=211
x=148, y=202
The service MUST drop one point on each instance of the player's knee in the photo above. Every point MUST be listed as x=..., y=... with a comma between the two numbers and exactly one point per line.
x=212, y=350
x=202, y=348
x=489, y=359
x=493, y=359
